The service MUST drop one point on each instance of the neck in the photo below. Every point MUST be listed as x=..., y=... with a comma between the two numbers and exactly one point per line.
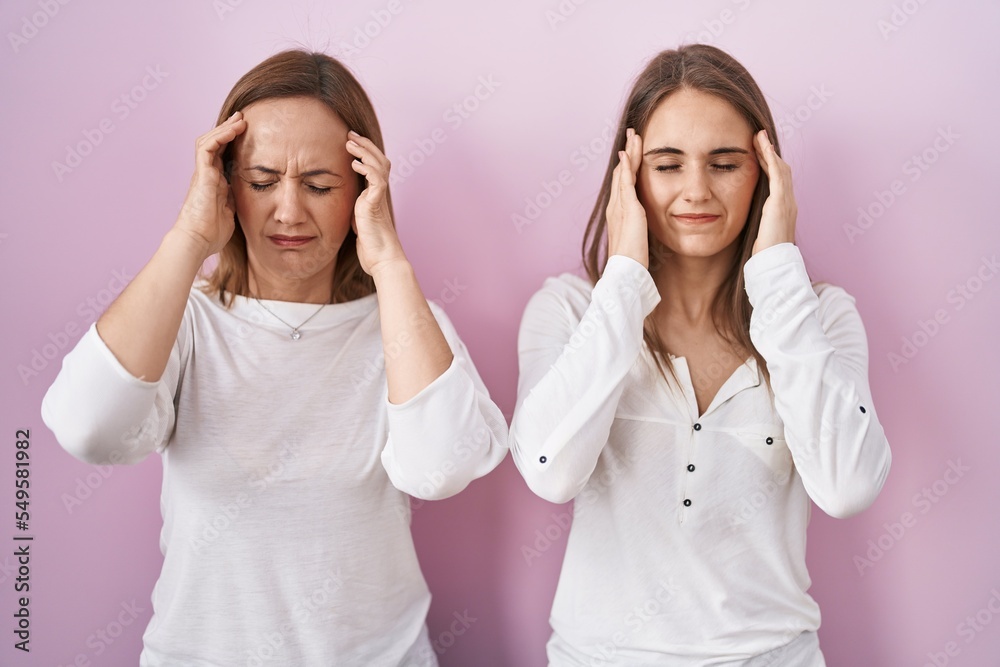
x=315, y=289
x=688, y=286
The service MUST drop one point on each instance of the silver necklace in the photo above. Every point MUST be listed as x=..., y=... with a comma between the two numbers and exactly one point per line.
x=296, y=334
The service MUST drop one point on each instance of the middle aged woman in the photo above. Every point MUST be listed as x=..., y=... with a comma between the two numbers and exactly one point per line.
x=296, y=396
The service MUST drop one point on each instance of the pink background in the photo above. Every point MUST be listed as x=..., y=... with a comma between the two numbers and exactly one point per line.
x=877, y=100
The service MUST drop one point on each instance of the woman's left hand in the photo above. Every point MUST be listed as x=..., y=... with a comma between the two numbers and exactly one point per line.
x=777, y=221
x=378, y=244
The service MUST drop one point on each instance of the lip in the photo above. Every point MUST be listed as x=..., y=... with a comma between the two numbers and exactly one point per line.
x=696, y=218
x=289, y=241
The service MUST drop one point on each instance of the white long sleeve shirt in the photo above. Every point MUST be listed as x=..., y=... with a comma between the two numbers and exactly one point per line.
x=689, y=531
x=286, y=522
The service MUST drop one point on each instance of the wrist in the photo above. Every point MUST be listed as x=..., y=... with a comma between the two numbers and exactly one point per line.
x=180, y=243
x=392, y=270
x=640, y=255
x=760, y=244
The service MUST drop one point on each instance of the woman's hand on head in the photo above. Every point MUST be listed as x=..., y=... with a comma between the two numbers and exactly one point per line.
x=627, y=229
x=777, y=220
x=208, y=213
x=378, y=245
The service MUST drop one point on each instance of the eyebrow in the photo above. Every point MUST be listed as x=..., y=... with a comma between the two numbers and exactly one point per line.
x=669, y=150
x=305, y=174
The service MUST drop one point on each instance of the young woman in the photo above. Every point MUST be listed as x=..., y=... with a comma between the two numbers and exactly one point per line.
x=296, y=396
x=696, y=393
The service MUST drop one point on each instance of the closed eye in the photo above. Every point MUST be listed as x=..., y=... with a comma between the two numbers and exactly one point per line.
x=261, y=187
x=676, y=167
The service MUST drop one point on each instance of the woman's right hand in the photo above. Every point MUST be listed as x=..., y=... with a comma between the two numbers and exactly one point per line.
x=208, y=213
x=627, y=230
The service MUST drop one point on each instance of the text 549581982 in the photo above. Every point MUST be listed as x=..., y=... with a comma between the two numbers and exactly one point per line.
x=22, y=541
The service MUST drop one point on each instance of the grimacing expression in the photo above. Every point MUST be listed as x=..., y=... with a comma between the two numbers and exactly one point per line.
x=698, y=173
x=294, y=189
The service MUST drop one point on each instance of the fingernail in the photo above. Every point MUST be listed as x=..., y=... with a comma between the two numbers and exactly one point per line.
x=351, y=143
x=352, y=133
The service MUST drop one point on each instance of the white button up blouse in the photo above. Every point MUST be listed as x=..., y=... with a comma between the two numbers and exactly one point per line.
x=689, y=530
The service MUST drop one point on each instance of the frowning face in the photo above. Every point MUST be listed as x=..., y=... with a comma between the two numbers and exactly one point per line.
x=295, y=192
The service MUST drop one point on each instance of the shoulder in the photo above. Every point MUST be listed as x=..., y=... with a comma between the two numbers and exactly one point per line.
x=205, y=314
x=623, y=281
x=570, y=285
x=831, y=295
x=837, y=307
x=565, y=296
x=203, y=296
x=204, y=304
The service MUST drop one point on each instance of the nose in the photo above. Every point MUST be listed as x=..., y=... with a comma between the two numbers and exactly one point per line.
x=696, y=187
x=290, y=209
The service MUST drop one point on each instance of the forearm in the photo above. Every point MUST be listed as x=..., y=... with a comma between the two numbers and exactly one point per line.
x=446, y=436
x=571, y=384
x=818, y=363
x=100, y=413
x=141, y=325
x=416, y=351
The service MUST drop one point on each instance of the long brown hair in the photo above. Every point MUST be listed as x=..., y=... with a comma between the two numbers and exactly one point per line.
x=710, y=70
x=298, y=73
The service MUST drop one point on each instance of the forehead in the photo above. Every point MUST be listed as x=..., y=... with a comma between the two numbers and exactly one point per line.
x=296, y=128
x=698, y=119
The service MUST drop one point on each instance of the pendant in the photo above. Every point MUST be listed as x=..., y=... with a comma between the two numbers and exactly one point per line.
x=295, y=334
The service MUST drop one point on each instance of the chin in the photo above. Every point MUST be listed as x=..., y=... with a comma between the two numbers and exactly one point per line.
x=693, y=246
x=301, y=267
x=705, y=242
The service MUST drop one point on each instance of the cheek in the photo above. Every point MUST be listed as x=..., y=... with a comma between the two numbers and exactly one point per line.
x=748, y=182
x=241, y=199
x=344, y=203
x=654, y=193
x=739, y=191
x=247, y=205
x=335, y=212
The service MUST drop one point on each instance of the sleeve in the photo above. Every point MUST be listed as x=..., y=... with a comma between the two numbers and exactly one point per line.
x=572, y=373
x=102, y=414
x=447, y=435
x=817, y=356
